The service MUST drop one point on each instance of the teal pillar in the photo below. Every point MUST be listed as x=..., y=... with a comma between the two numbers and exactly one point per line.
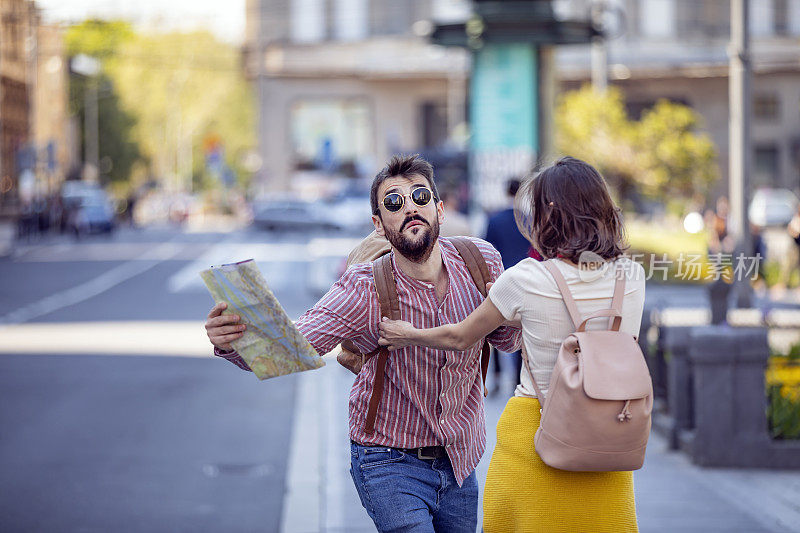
x=504, y=119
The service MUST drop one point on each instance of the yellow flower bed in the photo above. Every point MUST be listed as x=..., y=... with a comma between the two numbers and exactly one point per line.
x=786, y=374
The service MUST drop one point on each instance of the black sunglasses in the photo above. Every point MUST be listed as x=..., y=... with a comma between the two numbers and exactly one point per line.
x=394, y=201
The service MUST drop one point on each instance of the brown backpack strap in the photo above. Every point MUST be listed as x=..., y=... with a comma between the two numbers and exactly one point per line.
x=390, y=307
x=479, y=271
x=476, y=264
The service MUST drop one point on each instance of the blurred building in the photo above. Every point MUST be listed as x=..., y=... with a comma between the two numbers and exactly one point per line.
x=34, y=122
x=55, y=140
x=343, y=84
x=18, y=22
x=677, y=49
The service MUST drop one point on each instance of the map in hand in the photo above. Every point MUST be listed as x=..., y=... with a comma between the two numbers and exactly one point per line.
x=271, y=345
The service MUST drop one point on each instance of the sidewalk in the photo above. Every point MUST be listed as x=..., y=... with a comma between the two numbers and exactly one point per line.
x=671, y=493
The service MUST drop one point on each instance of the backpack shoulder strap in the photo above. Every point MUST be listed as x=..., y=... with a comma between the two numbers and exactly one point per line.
x=479, y=271
x=619, y=294
x=476, y=264
x=539, y=396
x=390, y=307
x=569, y=301
x=386, y=287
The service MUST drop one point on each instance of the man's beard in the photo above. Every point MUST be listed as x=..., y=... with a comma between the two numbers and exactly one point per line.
x=418, y=250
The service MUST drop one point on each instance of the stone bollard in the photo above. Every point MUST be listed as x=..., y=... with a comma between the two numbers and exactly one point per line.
x=729, y=396
x=679, y=381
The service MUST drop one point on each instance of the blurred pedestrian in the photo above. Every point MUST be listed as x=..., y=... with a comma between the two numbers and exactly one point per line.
x=130, y=209
x=720, y=244
x=759, y=254
x=720, y=241
x=414, y=469
x=572, y=212
x=455, y=223
x=502, y=233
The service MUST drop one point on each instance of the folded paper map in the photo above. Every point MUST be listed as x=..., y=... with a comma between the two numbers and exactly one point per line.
x=271, y=345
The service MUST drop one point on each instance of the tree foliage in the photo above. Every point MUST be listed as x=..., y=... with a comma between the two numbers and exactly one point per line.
x=185, y=88
x=162, y=95
x=118, y=151
x=658, y=156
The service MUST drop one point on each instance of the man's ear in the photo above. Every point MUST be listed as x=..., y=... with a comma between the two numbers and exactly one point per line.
x=378, y=223
x=440, y=211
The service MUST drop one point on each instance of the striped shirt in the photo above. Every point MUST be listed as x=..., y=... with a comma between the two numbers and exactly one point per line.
x=430, y=397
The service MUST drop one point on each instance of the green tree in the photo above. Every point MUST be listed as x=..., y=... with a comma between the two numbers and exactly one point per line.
x=184, y=88
x=101, y=39
x=659, y=156
x=118, y=149
x=675, y=159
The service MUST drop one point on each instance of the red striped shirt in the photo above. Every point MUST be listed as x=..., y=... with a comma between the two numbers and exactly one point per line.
x=430, y=397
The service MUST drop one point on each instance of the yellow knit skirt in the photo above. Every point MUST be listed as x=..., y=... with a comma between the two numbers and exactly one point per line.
x=524, y=495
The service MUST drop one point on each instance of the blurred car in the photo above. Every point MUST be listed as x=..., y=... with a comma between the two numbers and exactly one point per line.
x=88, y=209
x=94, y=217
x=350, y=213
x=290, y=215
x=772, y=207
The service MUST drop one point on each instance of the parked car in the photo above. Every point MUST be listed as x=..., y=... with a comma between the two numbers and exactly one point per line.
x=290, y=215
x=87, y=209
x=772, y=207
x=350, y=213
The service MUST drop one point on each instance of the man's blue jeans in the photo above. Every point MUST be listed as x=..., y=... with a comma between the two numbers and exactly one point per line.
x=404, y=493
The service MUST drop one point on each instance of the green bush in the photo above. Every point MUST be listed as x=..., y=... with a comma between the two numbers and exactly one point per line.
x=783, y=392
x=783, y=414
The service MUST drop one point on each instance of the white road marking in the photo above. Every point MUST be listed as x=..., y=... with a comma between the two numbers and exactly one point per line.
x=92, y=288
x=178, y=338
x=277, y=260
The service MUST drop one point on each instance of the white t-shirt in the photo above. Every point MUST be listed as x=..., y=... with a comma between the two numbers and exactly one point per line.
x=528, y=292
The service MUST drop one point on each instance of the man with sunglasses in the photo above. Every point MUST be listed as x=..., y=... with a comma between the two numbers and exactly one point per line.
x=415, y=469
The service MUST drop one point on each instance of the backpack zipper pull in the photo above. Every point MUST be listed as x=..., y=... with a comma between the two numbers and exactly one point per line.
x=625, y=414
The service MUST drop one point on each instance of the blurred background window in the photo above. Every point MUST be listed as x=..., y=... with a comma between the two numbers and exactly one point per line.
x=766, y=165
x=762, y=18
x=351, y=20
x=434, y=123
x=657, y=18
x=781, y=17
x=766, y=106
x=703, y=20
x=308, y=21
x=331, y=135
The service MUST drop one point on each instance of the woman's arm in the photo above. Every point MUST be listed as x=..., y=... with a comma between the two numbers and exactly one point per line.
x=486, y=318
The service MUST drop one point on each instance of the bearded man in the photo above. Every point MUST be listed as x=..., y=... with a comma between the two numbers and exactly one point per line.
x=415, y=471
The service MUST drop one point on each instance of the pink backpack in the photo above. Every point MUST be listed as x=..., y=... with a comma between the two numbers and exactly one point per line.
x=596, y=417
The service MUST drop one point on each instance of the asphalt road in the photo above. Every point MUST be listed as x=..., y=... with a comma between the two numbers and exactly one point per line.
x=115, y=441
x=115, y=417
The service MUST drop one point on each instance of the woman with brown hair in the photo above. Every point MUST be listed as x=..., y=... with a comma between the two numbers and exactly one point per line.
x=571, y=220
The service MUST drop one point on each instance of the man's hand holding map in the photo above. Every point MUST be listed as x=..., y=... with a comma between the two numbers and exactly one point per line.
x=271, y=345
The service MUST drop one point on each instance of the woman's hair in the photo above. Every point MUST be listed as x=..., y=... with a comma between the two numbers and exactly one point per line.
x=566, y=209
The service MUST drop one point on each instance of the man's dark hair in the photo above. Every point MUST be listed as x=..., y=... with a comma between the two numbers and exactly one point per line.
x=406, y=166
x=569, y=210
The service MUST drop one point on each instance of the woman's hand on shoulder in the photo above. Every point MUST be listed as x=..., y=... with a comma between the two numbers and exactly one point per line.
x=395, y=334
